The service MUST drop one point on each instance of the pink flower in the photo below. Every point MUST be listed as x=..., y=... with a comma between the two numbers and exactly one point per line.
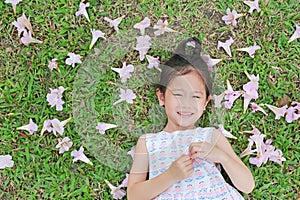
x=117, y=192
x=250, y=89
x=31, y=127
x=54, y=126
x=253, y=5
x=125, y=181
x=27, y=38
x=82, y=10
x=6, y=161
x=153, y=62
x=292, y=113
x=96, y=34
x=74, y=58
x=210, y=62
x=126, y=95
x=131, y=152
x=14, y=4
x=79, y=155
x=64, y=144
x=254, y=131
x=114, y=23
x=295, y=35
x=257, y=108
x=218, y=99
x=276, y=156
x=162, y=27
x=230, y=96
x=226, y=45
x=53, y=65
x=251, y=50
x=143, y=45
x=142, y=25
x=102, y=127
x=279, y=112
x=231, y=17
x=55, y=98
x=225, y=132
x=22, y=23
x=124, y=71
x=248, y=150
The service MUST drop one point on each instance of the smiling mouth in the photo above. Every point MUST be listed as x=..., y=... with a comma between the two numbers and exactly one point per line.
x=184, y=114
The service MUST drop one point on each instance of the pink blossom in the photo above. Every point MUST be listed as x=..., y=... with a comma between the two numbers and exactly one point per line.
x=251, y=50
x=55, y=98
x=6, y=161
x=31, y=127
x=210, y=62
x=64, y=144
x=258, y=161
x=231, y=17
x=253, y=5
x=295, y=35
x=124, y=71
x=277, y=156
x=114, y=23
x=230, y=96
x=254, y=131
x=142, y=25
x=47, y=126
x=125, y=181
x=96, y=34
x=257, y=108
x=248, y=150
x=82, y=10
x=292, y=113
x=117, y=192
x=162, y=27
x=74, y=58
x=126, y=95
x=14, y=4
x=54, y=126
x=22, y=23
x=143, y=45
x=250, y=89
x=279, y=112
x=79, y=155
x=153, y=62
x=131, y=152
x=27, y=38
x=102, y=127
x=226, y=45
x=225, y=132
x=218, y=99
x=53, y=65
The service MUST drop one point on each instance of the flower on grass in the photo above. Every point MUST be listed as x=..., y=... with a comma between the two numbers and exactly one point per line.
x=143, y=45
x=279, y=112
x=54, y=126
x=114, y=23
x=162, y=27
x=74, y=58
x=22, y=23
x=117, y=192
x=295, y=35
x=131, y=152
x=153, y=62
x=254, y=131
x=102, y=127
x=53, y=65
x=226, y=45
x=6, y=161
x=218, y=99
x=125, y=181
x=257, y=108
x=251, y=50
x=82, y=10
x=124, y=71
x=210, y=62
x=225, y=132
x=14, y=4
x=31, y=127
x=126, y=95
x=143, y=25
x=250, y=89
x=293, y=112
x=231, y=17
x=79, y=155
x=230, y=96
x=64, y=144
x=96, y=34
x=277, y=156
x=27, y=38
x=253, y=5
x=55, y=98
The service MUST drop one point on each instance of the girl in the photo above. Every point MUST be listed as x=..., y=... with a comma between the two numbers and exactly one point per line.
x=179, y=161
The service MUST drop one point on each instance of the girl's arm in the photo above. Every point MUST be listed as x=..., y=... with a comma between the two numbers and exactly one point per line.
x=221, y=152
x=140, y=188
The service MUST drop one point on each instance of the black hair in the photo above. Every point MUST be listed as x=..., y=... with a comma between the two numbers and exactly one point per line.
x=184, y=62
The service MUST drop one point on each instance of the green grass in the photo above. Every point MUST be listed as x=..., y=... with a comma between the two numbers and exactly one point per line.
x=40, y=172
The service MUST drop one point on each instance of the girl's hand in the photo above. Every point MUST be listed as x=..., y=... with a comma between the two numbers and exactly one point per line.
x=181, y=168
x=206, y=150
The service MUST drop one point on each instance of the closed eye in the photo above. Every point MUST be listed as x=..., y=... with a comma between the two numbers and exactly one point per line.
x=178, y=95
x=197, y=97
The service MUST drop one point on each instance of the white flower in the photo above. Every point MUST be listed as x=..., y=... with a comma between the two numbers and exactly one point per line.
x=153, y=62
x=31, y=127
x=79, y=155
x=74, y=58
x=114, y=23
x=124, y=71
x=6, y=161
x=54, y=126
x=96, y=34
x=82, y=10
x=143, y=45
x=27, y=39
x=102, y=127
x=64, y=144
x=117, y=192
x=295, y=35
x=225, y=132
x=126, y=95
x=226, y=45
x=14, y=4
x=142, y=25
x=53, y=65
x=162, y=27
x=55, y=98
x=21, y=23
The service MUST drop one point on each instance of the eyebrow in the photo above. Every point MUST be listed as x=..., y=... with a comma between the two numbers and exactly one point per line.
x=178, y=89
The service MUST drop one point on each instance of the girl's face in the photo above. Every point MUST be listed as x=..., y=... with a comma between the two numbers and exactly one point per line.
x=184, y=101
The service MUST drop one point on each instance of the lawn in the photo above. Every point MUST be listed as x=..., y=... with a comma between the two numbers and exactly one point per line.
x=91, y=88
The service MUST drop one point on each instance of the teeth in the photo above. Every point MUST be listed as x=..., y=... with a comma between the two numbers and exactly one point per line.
x=185, y=113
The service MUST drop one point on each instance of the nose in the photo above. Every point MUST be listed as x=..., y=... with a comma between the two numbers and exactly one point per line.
x=186, y=101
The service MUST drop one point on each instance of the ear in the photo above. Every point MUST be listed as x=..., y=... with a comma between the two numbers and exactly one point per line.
x=160, y=96
x=207, y=101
